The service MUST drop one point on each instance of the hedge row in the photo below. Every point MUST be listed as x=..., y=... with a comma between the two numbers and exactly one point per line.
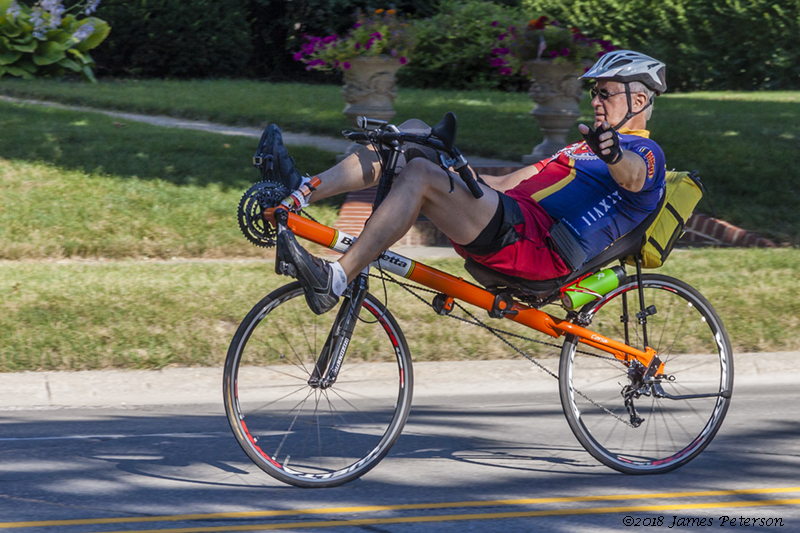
x=707, y=44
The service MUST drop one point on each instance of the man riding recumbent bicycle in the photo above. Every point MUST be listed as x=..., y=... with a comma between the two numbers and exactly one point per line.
x=646, y=370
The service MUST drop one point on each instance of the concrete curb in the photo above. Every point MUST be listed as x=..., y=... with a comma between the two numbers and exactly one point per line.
x=180, y=386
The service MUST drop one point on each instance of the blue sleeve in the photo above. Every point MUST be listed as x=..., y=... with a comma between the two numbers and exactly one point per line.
x=654, y=160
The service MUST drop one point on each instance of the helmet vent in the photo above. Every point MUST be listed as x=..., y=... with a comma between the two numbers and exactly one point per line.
x=620, y=63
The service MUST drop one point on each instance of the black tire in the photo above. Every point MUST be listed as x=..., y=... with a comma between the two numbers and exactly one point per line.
x=307, y=436
x=691, y=341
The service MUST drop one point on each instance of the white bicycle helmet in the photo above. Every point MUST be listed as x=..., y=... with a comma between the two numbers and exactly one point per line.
x=626, y=66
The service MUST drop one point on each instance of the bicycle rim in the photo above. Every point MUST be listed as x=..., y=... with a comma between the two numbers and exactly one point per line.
x=307, y=436
x=691, y=341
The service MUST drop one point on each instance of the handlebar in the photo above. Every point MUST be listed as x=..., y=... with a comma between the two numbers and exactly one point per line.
x=394, y=138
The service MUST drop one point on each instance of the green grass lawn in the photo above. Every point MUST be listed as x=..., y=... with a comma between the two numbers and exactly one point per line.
x=742, y=143
x=79, y=316
x=77, y=185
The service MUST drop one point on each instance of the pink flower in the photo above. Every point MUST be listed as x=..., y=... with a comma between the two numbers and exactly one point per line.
x=346, y=65
x=403, y=60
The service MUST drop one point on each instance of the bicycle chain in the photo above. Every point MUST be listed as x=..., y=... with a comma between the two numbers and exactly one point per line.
x=476, y=322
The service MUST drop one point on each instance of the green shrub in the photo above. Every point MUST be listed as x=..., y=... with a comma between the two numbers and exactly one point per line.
x=176, y=38
x=48, y=39
x=278, y=27
x=714, y=44
x=454, y=47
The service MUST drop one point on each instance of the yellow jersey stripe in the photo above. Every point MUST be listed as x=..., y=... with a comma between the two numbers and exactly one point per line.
x=538, y=196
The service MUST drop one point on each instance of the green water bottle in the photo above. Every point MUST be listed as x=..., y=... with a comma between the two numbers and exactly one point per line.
x=584, y=291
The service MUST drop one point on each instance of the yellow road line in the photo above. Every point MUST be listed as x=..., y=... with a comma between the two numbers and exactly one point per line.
x=399, y=507
x=478, y=516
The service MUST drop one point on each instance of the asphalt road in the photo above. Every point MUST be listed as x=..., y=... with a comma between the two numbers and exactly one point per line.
x=486, y=449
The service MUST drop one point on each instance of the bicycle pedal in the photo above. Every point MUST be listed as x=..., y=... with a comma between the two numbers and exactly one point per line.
x=287, y=269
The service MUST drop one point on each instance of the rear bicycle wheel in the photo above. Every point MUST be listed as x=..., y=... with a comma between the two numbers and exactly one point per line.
x=302, y=434
x=683, y=416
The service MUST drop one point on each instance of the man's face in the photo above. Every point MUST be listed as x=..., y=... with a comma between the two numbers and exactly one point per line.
x=612, y=109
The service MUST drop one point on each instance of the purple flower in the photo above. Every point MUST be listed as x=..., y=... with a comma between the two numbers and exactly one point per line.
x=358, y=46
x=346, y=65
x=403, y=60
x=506, y=71
x=329, y=39
x=494, y=23
x=368, y=45
x=393, y=52
x=356, y=26
x=498, y=62
x=565, y=51
x=377, y=35
x=336, y=64
x=600, y=54
x=501, y=36
x=298, y=56
x=554, y=54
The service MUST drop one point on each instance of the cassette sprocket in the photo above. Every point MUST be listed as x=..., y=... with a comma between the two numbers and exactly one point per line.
x=258, y=198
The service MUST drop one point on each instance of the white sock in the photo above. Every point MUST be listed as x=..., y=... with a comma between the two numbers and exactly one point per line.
x=339, y=281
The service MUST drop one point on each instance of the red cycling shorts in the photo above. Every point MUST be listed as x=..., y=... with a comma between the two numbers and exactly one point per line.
x=517, y=242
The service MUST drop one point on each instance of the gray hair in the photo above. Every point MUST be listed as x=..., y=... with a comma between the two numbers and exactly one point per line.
x=639, y=87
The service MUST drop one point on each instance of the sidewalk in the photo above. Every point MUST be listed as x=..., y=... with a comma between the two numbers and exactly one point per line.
x=177, y=386
x=329, y=144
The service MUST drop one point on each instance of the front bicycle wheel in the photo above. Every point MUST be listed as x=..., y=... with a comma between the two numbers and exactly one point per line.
x=300, y=433
x=682, y=411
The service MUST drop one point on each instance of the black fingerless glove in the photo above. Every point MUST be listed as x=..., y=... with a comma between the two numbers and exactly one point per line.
x=593, y=140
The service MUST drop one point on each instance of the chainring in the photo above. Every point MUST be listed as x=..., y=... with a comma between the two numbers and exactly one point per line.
x=257, y=199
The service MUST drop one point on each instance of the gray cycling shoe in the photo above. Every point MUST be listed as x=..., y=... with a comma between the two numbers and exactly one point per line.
x=313, y=273
x=274, y=162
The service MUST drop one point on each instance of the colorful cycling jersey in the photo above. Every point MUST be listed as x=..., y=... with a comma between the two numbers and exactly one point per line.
x=576, y=187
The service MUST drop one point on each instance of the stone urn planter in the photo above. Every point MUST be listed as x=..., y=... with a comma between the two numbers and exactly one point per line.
x=556, y=90
x=370, y=89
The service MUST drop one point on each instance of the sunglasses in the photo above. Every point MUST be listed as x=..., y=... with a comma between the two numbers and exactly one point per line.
x=603, y=93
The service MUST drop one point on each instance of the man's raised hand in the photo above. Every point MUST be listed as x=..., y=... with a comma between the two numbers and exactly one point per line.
x=604, y=142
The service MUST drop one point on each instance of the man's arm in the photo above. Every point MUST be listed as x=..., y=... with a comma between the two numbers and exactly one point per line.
x=630, y=171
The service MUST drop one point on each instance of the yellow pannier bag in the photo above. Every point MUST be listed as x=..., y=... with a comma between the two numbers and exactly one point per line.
x=681, y=196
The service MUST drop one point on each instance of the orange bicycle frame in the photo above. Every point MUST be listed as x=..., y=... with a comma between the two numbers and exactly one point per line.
x=460, y=289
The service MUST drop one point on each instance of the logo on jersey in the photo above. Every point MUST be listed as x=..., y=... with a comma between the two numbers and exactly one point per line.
x=650, y=159
x=580, y=151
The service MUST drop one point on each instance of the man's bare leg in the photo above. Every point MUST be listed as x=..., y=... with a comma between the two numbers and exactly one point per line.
x=355, y=172
x=422, y=187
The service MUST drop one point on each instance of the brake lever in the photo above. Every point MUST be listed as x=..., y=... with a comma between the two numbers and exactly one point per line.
x=446, y=164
